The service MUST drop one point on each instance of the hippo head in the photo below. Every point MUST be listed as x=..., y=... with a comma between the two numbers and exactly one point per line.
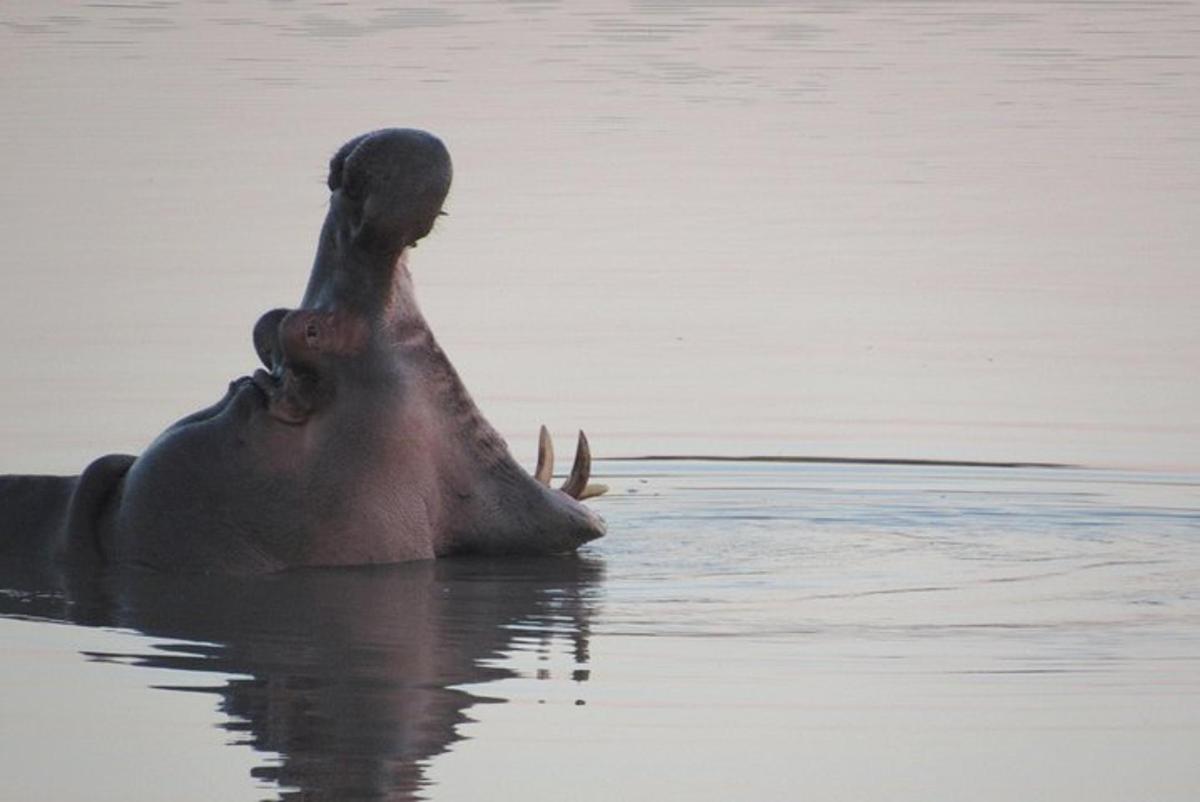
x=356, y=442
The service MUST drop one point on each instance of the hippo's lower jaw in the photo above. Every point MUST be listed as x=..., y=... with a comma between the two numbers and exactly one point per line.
x=512, y=514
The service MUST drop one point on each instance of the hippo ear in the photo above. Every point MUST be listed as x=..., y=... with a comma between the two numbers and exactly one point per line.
x=266, y=338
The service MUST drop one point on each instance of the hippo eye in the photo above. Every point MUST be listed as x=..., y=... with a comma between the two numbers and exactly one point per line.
x=311, y=333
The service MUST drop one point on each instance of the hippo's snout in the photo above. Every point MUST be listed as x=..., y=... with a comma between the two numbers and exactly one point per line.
x=387, y=189
x=393, y=183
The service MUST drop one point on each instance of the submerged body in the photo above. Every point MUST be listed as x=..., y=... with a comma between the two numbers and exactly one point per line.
x=357, y=444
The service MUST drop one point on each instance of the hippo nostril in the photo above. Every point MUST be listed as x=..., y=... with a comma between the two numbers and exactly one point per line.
x=336, y=168
x=337, y=165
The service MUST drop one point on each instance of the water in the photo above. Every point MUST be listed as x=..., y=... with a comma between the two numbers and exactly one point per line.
x=764, y=631
x=918, y=230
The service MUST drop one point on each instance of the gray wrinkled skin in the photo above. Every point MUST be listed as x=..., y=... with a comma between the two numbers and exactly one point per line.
x=357, y=443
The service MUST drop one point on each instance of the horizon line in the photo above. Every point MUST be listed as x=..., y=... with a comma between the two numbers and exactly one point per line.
x=948, y=463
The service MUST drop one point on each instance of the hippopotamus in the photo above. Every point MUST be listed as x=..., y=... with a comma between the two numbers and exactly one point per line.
x=355, y=443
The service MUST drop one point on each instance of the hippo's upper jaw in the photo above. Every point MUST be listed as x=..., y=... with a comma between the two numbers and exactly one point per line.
x=386, y=191
x=395, y=182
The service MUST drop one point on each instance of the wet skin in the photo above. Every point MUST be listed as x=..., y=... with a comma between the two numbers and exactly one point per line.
x=356, y=443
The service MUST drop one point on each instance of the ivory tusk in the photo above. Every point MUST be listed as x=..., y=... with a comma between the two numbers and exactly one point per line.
x=593, y=490
x=545, y=463
x=577, y=482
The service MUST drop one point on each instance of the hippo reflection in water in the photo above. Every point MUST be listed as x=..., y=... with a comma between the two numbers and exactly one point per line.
x=357, y=444
x=348, y=683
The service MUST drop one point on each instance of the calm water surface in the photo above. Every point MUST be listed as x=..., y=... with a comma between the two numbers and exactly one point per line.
x=747, y=631
x=864, y=229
